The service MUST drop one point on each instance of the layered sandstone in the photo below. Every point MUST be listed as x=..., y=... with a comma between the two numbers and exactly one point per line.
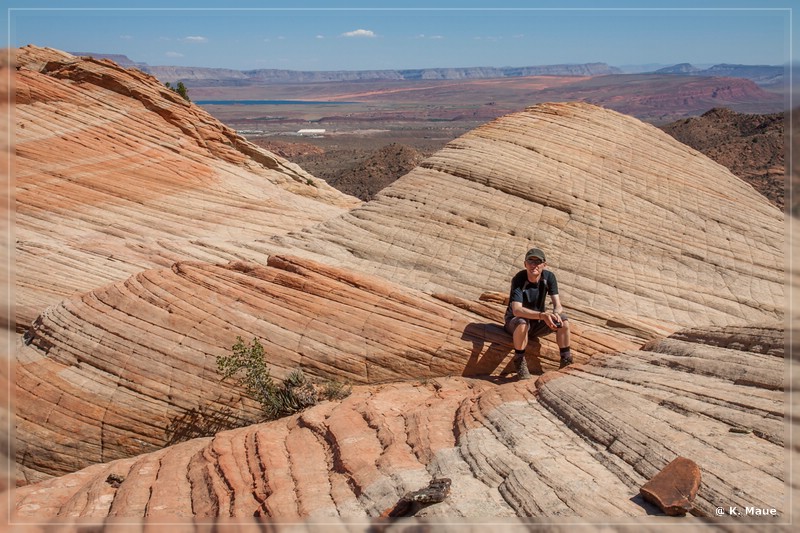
x=135, y=271
x=131, y=367
x=115, y=173
x=633, y=222
x=578, y=442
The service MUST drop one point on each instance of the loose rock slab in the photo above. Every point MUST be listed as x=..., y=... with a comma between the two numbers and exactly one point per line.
x=674, y=488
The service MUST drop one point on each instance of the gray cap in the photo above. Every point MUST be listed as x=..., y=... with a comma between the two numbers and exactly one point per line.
x=535, y=252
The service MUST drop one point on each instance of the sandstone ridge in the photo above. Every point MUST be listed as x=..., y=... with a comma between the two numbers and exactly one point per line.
x=115, y=174
x=128, y=368
x=633, y=221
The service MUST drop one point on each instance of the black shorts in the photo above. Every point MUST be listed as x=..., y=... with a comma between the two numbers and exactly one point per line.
x=538, y=327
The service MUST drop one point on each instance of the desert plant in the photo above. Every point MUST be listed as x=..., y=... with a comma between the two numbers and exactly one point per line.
x=180, y=88
x=295, y=393
x=334, y=390
x=248, y=365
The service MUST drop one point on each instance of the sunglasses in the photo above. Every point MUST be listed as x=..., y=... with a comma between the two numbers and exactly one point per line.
x=534, y=262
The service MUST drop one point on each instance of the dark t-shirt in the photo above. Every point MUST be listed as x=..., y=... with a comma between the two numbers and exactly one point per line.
x=532, y=295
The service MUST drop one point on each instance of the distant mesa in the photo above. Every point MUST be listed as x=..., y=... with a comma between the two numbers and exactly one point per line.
x=176, y=73
x=682, y=68
x=761, y=74
x=264, y=76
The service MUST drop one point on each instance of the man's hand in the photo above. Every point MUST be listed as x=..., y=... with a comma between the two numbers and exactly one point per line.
x=552, y=320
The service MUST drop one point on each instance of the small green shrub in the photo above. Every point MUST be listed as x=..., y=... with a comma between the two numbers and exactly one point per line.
x=180, y=89
x=247, y=365
x=334, y=390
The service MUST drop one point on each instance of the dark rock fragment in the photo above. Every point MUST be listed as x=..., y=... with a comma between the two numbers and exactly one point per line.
x=115, y=480
x=674, y=488
x=436, y=491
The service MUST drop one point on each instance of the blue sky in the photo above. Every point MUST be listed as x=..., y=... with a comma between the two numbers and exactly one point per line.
x=356, y=35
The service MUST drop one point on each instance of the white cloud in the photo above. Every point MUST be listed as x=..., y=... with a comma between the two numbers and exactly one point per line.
x=359, y=33
x=320, y=36
x=126, y=37
x=195, y=39
x=173, y=54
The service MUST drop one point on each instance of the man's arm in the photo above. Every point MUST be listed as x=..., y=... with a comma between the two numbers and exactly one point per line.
x=520, y=311
x=557, y=307
x=524, y=312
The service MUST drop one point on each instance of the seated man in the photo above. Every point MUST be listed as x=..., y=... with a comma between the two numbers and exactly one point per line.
x=526, y=315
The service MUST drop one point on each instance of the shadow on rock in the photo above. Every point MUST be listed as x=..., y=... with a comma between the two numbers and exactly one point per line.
x=491, y=345
x=203, y=421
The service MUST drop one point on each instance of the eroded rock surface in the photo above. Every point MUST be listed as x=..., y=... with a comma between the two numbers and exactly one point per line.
x=131, y=367
x=150, y=236
x=115, y=174
x=633, y=222
x=578, y=442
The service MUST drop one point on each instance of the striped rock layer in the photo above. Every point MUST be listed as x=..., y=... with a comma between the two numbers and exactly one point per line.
x=573, y=443
x=131, y=367
x=115, y=173
x=632, y=221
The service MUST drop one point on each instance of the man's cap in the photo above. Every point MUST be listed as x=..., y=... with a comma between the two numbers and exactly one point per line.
x=535, y=252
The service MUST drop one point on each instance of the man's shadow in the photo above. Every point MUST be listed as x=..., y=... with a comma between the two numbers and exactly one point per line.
x=491, y=346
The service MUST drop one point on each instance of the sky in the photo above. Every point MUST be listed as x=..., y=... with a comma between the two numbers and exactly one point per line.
x=357, y=35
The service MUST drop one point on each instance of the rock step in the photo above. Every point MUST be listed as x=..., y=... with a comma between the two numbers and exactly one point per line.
x=647, y=418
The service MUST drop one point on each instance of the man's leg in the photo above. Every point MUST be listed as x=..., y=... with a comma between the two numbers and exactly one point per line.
x=520, y=335
x=519, y=328
x=562, y=340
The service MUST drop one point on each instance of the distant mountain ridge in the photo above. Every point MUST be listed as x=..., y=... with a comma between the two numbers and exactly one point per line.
x=188, y=74
x=179, y=73
x=760, y=74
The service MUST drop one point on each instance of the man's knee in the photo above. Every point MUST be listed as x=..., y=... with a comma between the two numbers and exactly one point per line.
x=517, y=322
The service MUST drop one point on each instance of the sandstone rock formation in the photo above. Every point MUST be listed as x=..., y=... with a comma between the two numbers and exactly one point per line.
x=634, y=222
x=131, y=367
x=674, y=488
x=134, y=283
x=116, y=173
x=577, y=442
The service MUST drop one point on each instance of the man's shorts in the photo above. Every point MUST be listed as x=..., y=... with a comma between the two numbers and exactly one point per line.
x=538, y=327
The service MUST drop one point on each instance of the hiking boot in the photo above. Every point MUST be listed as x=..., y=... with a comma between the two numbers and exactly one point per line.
x=565, y=360
x=522, y=367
